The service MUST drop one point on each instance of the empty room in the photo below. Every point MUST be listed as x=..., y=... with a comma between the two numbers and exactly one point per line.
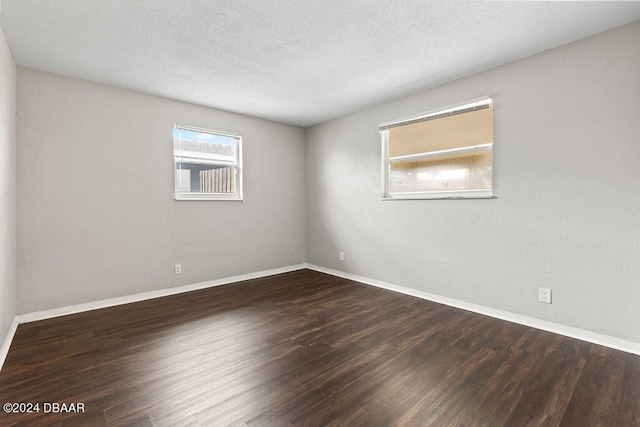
x=319, y=213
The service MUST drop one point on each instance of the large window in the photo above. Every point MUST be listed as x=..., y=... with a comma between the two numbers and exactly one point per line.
x=446, y=153
x=208, y=164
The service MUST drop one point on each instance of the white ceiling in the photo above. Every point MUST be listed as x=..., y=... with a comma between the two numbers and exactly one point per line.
x=294, y=61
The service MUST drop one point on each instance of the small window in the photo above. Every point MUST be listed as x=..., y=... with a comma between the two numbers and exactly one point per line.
x=208, y=164
x=441, y=154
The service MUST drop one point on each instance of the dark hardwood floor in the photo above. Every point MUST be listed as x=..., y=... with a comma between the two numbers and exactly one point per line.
x=309, y=349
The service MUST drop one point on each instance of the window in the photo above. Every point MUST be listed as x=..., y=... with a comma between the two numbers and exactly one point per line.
x=208, y=164
x=441, y=154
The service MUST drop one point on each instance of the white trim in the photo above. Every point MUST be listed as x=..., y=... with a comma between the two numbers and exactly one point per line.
x=581, y=334
x=6, y=344
x=569, y=331
x=79, y=308
x=476, y=104
x=385, y=162
x=208, y=196
x=434, y=195
x=205, y=130
x=111, y=302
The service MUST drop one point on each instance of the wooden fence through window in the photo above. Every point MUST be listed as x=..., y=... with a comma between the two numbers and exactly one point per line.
x=220, y=180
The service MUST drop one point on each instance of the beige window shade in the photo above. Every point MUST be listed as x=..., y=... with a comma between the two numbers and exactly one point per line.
x=457, y=131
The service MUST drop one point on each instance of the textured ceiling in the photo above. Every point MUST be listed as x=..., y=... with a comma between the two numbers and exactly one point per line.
x=295, y=61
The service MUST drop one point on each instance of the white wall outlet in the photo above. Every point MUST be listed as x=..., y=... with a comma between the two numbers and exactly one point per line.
x=177, y=269
x=544, y=295
x=292, y=250
x=341, y=256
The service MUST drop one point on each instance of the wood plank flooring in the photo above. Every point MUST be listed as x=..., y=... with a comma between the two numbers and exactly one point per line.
x=309, y=349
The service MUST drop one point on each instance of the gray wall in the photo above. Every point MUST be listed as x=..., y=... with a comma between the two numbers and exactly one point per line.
x=566, y=176
x=97, y=217
x=96, y=211
x=7, y=188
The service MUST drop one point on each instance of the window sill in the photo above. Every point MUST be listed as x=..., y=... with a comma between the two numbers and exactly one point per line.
x=442, y=195
x=204, y=196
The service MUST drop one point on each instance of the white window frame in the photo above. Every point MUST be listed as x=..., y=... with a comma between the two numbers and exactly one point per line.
x=237, y=164
x=384, y=127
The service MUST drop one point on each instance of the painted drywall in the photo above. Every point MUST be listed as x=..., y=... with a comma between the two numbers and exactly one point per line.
x=97, y=217
x=566, y=177
x=7, y=188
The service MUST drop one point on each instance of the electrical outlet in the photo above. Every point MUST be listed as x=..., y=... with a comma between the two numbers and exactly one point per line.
x=341, y=256
x=177, y=269
x=292, y=250
x=544, y=295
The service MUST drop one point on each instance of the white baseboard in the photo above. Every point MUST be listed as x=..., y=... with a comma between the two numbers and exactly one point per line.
x=569, y=331
x=94, y=305
x=581, y=334
x=79, y=308
x=4, y=350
